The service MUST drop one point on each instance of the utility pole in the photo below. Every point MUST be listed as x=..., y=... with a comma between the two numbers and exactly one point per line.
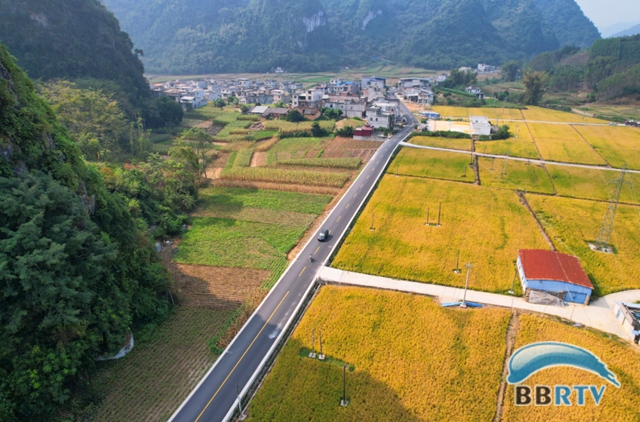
x=504, y=172
x=312, y=354
x=373, y=215
x=457, y=269
x=466, y=285
x=602, y=244
x=439, y=213
x=344, y=402
x=321, y=355
x=427, y=223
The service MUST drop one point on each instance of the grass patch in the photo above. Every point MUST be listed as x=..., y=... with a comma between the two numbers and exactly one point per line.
x=433, y=164
x=519, y=175
x=401, y=369
x=235, y=198
x=486, y=225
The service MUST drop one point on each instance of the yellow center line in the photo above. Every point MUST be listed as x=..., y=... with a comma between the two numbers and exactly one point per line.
x=302, y=271
x=355, y=195
x=361, y=186
x=348, y=205
x=242, y=357
x=338, y=219
x=316, y=250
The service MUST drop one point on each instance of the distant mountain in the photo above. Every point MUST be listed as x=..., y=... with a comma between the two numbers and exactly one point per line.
x=611, y=30
x=71, y=39
x=634, y=30
x=195, y=36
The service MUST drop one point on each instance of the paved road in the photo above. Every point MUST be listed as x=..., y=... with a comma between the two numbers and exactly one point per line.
x=508, y=157
x=213, y=398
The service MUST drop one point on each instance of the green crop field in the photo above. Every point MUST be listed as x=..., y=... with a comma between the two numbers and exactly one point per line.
x=486, y=225
x=289, y=148
x=514, y=175
x=433, y=164
x=412, y=360
x=571, y=223
x=150, y=383
x=247, y=228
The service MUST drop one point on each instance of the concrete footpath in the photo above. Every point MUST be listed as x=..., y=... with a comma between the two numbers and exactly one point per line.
x=598, y=315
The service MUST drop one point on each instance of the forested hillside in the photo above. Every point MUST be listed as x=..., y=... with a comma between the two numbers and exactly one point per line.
x=72, y=39
x=610, y=68
x=77, y=270
x=190, y=36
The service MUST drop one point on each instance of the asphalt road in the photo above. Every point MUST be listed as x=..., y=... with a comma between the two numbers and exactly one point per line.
x=212, y=399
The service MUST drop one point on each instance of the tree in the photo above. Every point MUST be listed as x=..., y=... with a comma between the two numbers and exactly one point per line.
x=317, y=131
x=244, y=108
x=219, y=103
x=346, y=131
x=534, y=85
x=171, y=113
x=294, y=116
x=332, y=113
x=510, y=70
x=460, y=78
x=202, y=144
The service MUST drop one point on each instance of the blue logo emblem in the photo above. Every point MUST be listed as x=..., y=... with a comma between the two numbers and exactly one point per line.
x=535, y=357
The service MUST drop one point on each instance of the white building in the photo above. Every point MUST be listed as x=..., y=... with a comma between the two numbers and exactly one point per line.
x=311, y=98
x=479, y=125
x=374, y=82
x=350, y=106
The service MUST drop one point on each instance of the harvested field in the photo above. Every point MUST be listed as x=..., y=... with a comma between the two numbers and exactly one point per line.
x=407, y=353
x=618, y=404
x=486, y=225
x=433, y=164
x=259, y=159
x=354, y=123
x=340, y=147
x=152, y=381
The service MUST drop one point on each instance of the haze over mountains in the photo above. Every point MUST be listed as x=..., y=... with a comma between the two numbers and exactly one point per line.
x=195, y=36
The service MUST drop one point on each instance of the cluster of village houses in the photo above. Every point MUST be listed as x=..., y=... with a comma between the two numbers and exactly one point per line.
x=365, y=99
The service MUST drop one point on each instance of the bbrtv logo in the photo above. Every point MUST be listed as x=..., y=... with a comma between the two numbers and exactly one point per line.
x=536, y=357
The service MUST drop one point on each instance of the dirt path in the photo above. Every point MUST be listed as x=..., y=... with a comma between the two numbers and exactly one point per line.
x=258, y=159
x=512, y=331
x=523, y=200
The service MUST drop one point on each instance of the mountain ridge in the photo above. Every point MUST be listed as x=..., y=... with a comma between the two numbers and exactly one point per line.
x=310, y=35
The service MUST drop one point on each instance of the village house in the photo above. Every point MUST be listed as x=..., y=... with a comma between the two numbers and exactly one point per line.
x=310, y=98
x=374, y=82
x=350, y=106
x=474, y=90
x=479, y=125
x=628, y=314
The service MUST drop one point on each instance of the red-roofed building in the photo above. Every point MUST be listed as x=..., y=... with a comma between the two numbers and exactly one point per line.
x=555, y=273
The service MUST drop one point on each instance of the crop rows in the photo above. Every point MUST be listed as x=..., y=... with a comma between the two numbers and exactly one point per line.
x=313, y=178
x=345, y=163
x=285, y=127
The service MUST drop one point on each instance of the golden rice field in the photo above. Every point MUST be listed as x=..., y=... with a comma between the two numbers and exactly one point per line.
x=618, y=404
x=541, y=114
x=618, y=145
x=433, y=164
x=490, y=112
x=487, y=225
x=571, y=223
x=450, y=143
x=413, y=359
x=593, y=184
x=562, y=143
x=514, y=175
x=510, y=147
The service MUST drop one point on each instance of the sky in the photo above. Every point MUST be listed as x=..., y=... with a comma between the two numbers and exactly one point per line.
x=604, y=13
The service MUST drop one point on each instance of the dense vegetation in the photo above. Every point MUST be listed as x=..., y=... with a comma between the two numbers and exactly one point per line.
x=310, y=35
x=77, y=269
x=610, y=68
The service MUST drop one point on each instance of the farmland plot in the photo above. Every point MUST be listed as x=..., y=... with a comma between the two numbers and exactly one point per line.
x=433, y=164
x=618, y=404
x=562, y=143
x=290, y=148
x=450, y=143
x=593, y=184
x=486, y=225
x=571, y=223
x=510, y=147
x=547, y=115
x=619, y=145
x=512, y=175
x=413, y=360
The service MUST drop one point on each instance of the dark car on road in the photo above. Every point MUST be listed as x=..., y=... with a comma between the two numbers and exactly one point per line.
x=324, y=235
